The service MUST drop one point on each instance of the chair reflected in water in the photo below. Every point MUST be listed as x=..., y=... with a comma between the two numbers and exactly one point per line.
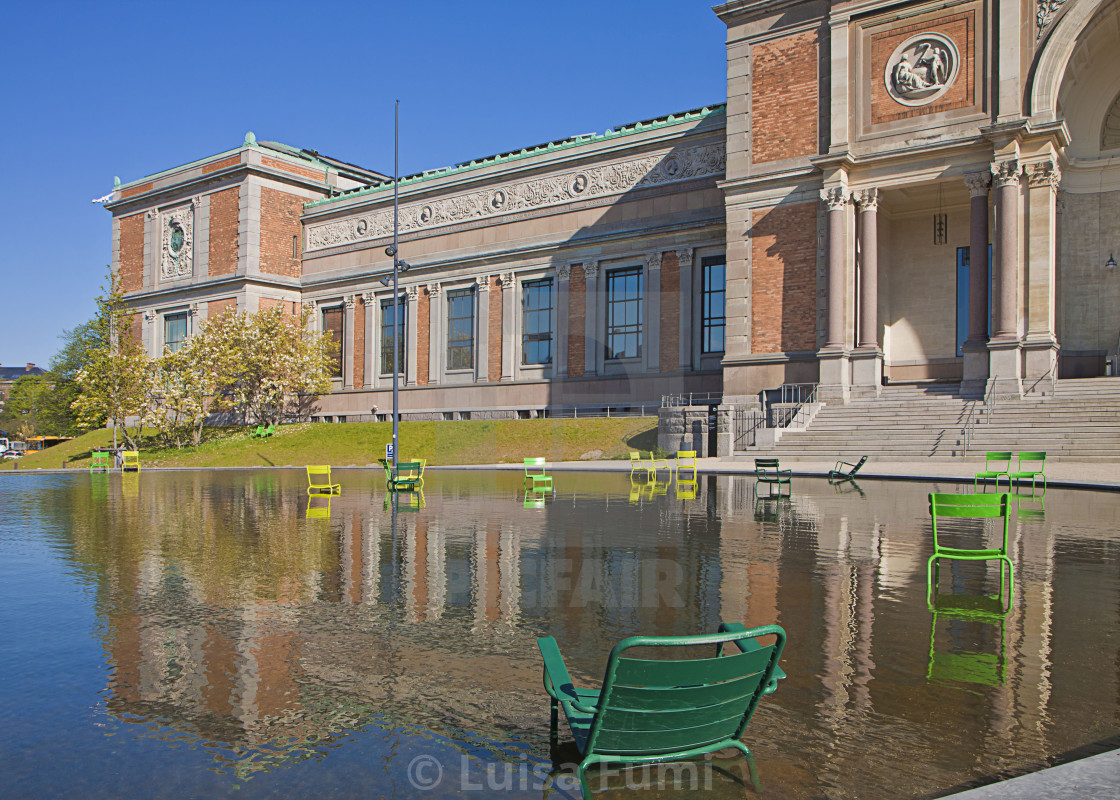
x=848, y=486
x=1030, y=506
x=771, y=508
x=403, y=500
x=968, y=636
x=647, y=489
x=686, y=490
x=130, y=485
x=319, y=506
x=536, y=497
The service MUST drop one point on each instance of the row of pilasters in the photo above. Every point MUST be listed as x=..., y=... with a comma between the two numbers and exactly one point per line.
x=1020, y=352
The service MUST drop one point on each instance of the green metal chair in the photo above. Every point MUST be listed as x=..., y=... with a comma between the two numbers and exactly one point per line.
x=969, y=506
x=408, y=476
x=319, y=481
x=1031, y=465
x=536, y=474
x=271, y=429
x=649, y=711
x=845, y=470
x=259, y=432
x=766, y=470
x=997, y=464
x=99, y=462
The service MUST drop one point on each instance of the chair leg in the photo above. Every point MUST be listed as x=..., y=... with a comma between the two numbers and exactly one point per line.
x=554, y=723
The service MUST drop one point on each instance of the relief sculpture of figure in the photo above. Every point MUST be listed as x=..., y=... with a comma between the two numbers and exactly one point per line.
x=906, y=80
x=936, y=65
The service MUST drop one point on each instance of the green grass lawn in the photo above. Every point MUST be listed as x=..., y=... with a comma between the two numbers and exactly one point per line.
x=361, y=444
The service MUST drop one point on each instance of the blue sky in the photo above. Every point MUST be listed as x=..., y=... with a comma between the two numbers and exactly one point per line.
x=93, y=90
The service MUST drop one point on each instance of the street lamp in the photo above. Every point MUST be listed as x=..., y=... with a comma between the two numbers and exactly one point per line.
x=399, y=266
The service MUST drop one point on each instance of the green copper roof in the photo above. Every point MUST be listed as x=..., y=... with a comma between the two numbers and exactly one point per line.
x=514, y=155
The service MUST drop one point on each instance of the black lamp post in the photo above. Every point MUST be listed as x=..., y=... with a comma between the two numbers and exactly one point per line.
x=399, y=266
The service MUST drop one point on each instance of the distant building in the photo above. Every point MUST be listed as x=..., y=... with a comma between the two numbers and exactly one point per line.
x=821, y=227
x=9, y=375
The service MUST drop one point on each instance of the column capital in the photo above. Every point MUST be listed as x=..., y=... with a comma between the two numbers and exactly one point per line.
x=413, y=293
x=506, y=280
x=309, y=305
x=653, y=260
x=590, y=268
x=483, y=283
x=978, y=183
x=564, y=271
x=1044, y=173
x=433, y=288
x=367, y=298
x=349, y=303
x=868, y=199
x=193, y=309
x=149, y=314
x=837, y=197
x=684, y=257
x=1006, y=172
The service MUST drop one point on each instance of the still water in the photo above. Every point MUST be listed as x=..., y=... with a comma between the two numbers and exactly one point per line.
x=193, y=634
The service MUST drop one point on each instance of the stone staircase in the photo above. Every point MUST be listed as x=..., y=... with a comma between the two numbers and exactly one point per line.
x=1079, y=422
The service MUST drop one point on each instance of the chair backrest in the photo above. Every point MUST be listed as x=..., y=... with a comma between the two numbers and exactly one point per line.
x=765, y=464
x=997, y=458
x=100, y=459
x=859, y=464
x=409, y=470
x=319, y=475
x=686, y=458
x=1033, y=461
x=969, y=506
x=660, y=706
x=534, y=466
x=131, y=458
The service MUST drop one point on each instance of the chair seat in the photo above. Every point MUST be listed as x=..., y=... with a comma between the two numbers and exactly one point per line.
x=967, y=554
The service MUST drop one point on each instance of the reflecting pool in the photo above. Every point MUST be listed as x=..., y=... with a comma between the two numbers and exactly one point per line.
x=194, y=634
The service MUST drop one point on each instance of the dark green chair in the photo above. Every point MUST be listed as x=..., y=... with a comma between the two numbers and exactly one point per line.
x=1031, y=465
x=666, y=710
x=997, y=464
x=974, y=507
x=766, y=470
x=407, y=477
x=845, y=470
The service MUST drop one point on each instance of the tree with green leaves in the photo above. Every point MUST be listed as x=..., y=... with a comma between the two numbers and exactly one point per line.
x=115, y=378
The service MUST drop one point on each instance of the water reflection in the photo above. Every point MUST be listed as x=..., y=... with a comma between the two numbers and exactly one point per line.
x=237, y=616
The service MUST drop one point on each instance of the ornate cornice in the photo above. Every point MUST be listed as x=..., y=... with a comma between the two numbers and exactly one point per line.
x=670, y=166
x=837, y=197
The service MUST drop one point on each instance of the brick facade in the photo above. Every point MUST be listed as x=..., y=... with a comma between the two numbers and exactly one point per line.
x=961, y=29
x=291, y=307
x=224, y=214
x=136, y=190
x=315, y=175
x=784, y=286
x=225, y=163
x=784, y=102
x=670, y=311
x=494, y=340
x=136, y=328
x=359, y=342
x=131, y=256
x=577, y=317
x=423, y=336
x=216, y=307
x=280, y=228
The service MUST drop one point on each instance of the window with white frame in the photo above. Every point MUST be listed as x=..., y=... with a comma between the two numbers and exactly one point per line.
x=174, y=330
x=332, y=324
x=536, y=322
x=390, y=333
x=624, y=313
x=713, y=304
x=460, y=329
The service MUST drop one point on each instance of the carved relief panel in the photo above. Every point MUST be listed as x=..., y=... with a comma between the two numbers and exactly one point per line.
x=176, y=250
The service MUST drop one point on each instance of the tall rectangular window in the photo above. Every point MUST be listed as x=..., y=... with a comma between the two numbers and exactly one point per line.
x=460, y=329
x=713, y=304
x=332, y=324
x=389, y=334
x=174, y=330
x=963, y=265
x=536, y=310
x=624, y=313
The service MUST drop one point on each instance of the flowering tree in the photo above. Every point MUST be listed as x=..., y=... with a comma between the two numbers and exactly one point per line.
x=114, y=381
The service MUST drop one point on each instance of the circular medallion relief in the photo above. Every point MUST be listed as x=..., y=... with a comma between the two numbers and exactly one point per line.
x=921, y=69
x=177, y=239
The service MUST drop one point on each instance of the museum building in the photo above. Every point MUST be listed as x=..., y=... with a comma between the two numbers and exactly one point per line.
x=820, y=227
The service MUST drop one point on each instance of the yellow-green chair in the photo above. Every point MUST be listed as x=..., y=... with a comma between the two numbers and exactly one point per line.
x=686, y=460
x=638, y=463
x=658, y=463
x=319, y=481
x=99, y=462
x=131, y=462
x=970, y=506
x=997, y=464
x=1031, y=465
x=537, y=475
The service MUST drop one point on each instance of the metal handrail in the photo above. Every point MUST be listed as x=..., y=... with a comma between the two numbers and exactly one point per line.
x=691, y=399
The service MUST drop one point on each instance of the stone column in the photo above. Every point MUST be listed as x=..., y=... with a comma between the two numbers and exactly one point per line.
x=593, y=345
x=1040, y=345
x=348, y=343
x=563, y=275
x=482, y=333
x=834, y=364
x=412, y=325
x=372, y=341
x=509, y=308
x=652, y=321
x=975, y=349
x=867, y=359
x=1005, y=366
x=436, y=344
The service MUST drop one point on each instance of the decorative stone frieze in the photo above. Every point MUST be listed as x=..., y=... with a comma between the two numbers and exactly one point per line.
x=672, y=166
x=176, y=257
